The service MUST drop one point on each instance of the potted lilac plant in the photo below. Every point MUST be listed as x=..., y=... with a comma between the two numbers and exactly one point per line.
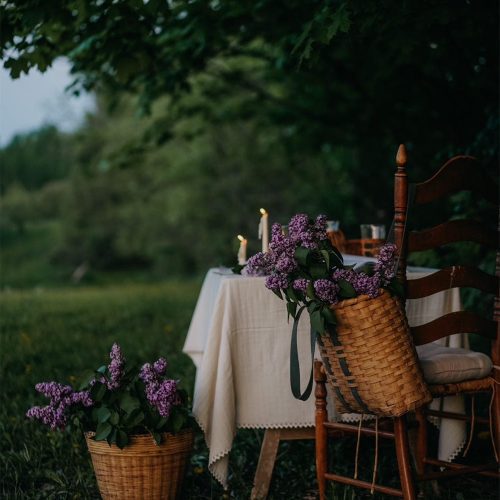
x=136, y=421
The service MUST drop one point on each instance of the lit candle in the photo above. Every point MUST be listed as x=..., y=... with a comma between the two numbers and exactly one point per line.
x=242, y=252
x=264, y=230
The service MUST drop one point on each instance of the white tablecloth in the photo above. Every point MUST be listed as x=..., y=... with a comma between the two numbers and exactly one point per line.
x=239, y=340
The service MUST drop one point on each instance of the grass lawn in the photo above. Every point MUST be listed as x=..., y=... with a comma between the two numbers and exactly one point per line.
x=59, y=334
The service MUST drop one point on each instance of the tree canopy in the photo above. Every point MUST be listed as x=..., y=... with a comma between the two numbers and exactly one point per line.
x=295, y=106
x=360, y=72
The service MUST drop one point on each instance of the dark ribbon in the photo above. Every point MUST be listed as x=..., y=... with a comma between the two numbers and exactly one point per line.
x=294, y=361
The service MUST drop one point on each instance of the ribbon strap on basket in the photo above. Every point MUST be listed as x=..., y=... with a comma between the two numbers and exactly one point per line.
x=294, y=361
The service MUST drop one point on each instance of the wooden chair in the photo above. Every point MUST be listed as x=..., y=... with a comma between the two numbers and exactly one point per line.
x=477, y=373
x=452, y=177
x=366, y=247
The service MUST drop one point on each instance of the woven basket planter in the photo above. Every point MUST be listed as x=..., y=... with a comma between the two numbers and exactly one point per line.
x=370, y=360
x=142, y=470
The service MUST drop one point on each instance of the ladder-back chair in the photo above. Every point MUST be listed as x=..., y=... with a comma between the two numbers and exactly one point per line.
x=450, y=371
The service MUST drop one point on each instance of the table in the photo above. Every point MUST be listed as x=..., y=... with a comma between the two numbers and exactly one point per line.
x=239, y=340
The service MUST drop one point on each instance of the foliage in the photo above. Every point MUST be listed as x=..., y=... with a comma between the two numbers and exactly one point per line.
x=116, y=402
x=33, y=159
x=244, y=109
x=16, y=208
x=364, y=75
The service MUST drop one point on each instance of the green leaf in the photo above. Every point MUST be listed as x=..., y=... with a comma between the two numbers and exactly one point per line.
x=318, y=271
x=291, y=308
x=367, y=268
x=114, y=418
x=290, y=293
x=156, y=437
x=346, y=290
x=135, y=418
x=103, y=414
x=102, y=369
x=336, y=256
x=328, y=315
x=128, y=403
x=317, y=322
x=310, y=291
x=98, y=391
x=112, y=437
x=177, y=421
x=326, y=256
x=121, y=439
x=396, y=288
x=301, y=255
x=103, y=431
x=278, y=293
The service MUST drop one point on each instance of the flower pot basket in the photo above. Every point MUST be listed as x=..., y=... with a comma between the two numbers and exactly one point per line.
x=142, y=470
x=370, y=360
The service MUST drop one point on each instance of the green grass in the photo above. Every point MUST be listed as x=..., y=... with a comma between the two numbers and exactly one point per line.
x=59, y=334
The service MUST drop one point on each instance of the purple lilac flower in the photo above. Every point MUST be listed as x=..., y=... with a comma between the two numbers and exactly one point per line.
x=385, y=263
x=301, y=284
x=286, y=264
x=161, y=394
x=276, y=281
x=259, y=264
x=62, y=400
x=326, y=290
x=361, y=282
x=160, y=366
x=53, y=390
x=280, y=244
x=148, y=374
x=298, y=224
x=302, y=232
x=115, y=367
x=320, y=227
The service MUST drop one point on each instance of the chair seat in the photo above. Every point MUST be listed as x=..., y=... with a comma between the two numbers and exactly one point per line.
x=448, y=365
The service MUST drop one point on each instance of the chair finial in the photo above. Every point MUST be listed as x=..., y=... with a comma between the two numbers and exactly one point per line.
x=401, y=156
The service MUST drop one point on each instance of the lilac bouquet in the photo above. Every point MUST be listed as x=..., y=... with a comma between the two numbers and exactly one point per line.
x=116, y=402
x=305, y=269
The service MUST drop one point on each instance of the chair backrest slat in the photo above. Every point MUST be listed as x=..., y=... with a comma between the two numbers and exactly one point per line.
x=456, y=322
x=452, y=277
x=455, y=176
x=452, y=231
x=462, y=173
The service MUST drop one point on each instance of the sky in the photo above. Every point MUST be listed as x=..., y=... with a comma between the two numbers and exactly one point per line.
x=37, y=99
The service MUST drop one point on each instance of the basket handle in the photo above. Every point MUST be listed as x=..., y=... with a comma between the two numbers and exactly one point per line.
x=294, y=361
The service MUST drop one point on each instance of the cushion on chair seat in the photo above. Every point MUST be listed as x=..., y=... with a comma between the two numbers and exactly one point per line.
x=444, y=365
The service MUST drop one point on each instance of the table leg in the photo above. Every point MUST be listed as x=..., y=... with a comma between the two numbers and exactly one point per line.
x=265, y=466
x=267, y=457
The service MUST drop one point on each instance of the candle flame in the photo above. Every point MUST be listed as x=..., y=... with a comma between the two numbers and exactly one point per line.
x=263, y=211
x=241, y=238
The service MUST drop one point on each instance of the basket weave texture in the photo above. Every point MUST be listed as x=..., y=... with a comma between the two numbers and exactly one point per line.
x=142, y=470
x=377, y=349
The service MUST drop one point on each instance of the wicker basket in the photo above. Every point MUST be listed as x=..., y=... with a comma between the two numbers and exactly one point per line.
x=142, y=470
x=370, y=361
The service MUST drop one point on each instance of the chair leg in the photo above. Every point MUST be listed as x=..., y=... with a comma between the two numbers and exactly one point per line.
x=421, y=449
x=403, y=456
x=321, y=432
x=496, y=414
